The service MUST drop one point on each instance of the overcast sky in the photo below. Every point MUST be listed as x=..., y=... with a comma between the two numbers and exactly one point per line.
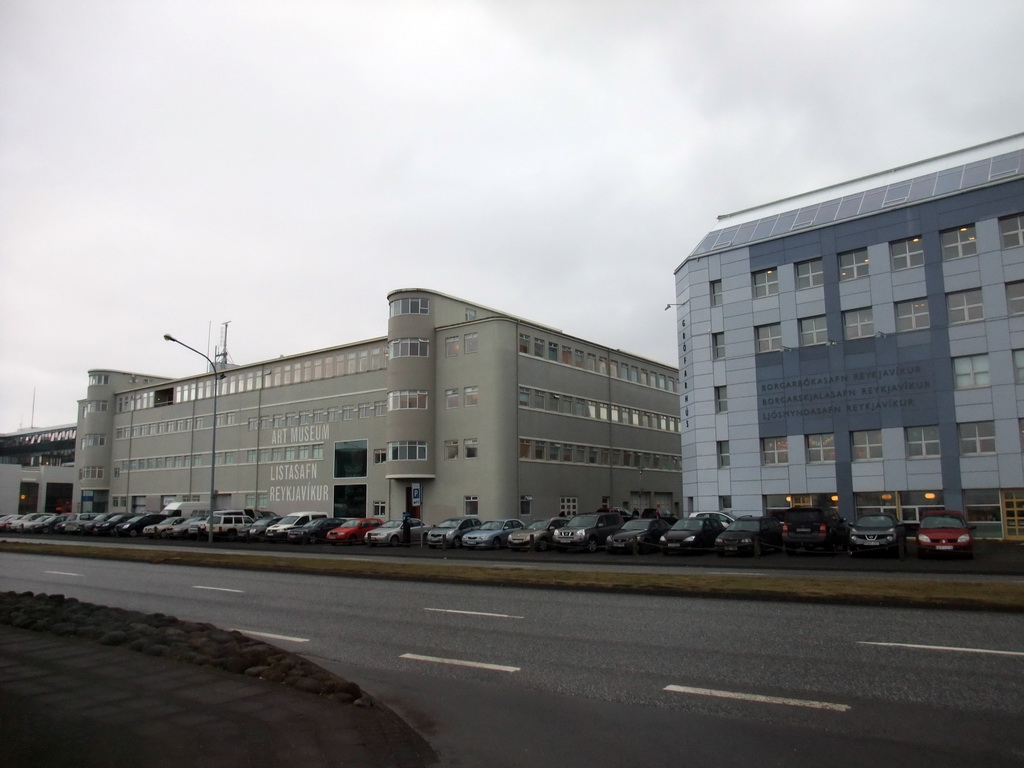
x=169, y=166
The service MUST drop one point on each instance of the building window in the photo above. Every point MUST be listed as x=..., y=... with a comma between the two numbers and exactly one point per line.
x=957, y=243
x=1018, y=366
x=774, y=450
x=1011, y=229
x=568, y=506
x=717, y=346
x=813, y=331
x=524, y=343
x=715, y=289
x=470, y=506
x=766, y=283
x=470, y=447
x=407, y=399
x=451, y=449
x=970, y=372
x=451, y=398
x=821, y=448
x=471, y=395
x=977, y=437
x=365, y=410
x=922, y=442
x=722, y=449
x=858, y=324
x=471, y=342
x=906, y=253
x=1015, y=298
x=853, y=264
x=407, y=450
x=768, y=338
x=721, y=400
x=912, y=315
x=809, y=274
x=452, y=346
x=380, y=456
x=964, y=306
x=553, y=351
x=350, y=458
x=380, y=509
x=866, y=444
x=410, y=307
x=407, y=348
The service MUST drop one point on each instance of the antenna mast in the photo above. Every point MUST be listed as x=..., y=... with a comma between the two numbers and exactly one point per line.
x=220, y=356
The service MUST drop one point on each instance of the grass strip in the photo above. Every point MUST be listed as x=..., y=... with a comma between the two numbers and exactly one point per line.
x=897, y=593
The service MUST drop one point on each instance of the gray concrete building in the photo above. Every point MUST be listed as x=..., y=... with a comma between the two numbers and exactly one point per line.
x=863, y=346
x=457, y=410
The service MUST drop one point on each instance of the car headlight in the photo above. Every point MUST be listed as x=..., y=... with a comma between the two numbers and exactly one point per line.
x=963, y=539
x=923, y=539
x=746, y=540
x=663, y=540
x=690, y=538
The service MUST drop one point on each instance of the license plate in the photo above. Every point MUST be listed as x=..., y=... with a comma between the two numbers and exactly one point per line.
x=944, y=546
x=872, y=543
x=673, y=544
x=619, y=544
x=802, y=530
x=730, y=549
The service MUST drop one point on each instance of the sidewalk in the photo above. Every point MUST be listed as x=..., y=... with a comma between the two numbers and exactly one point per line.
x=68, y=703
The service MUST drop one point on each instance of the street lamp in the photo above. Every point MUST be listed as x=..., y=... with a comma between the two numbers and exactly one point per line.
x=213, y=435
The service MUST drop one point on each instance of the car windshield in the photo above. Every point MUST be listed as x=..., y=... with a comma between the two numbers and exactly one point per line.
x=745, y=525
x=392, y=524
x=690, y=524
x=583, y=521
x=491, y=525
x=351, y=524
x=636, y=525
x=876, y=521
x=942, y=521
x=449, y=524
x=289, y=519
x=537, y=525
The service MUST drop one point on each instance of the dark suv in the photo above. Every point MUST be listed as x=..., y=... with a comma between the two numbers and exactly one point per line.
x=588, y=532
x=813, y=528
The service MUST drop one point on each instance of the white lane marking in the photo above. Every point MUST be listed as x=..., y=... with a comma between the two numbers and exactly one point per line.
x=473, y=613
x=460, y=663
x=62, y=573
x=944, y=648
x=270, y=636
x=757, y=698
x=220, y=589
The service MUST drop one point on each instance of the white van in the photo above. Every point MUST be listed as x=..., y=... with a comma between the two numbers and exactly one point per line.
x=186, y=509
x=279, y=530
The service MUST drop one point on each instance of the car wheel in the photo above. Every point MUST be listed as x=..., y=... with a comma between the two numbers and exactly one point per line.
x=393, y=541
x=496, y=544
x=133, y=534
x=592, y=544
x=542, y=545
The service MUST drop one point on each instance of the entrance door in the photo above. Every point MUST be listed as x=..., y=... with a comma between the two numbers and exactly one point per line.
x=1013, y=511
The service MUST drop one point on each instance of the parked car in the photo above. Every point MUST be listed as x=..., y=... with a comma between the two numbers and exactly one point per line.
x=76, y=521
x=106, y=526
x=315, y=531
x=133, y=525
x=721, y=517
x=588, y=531
x=257, y=529
x=226, y=524
x=449, y=533
x=642, y=533
x=390, y=533
x=89, y=526
x=813, y=528
x=945, y=532
x=18, y=525
x=157, y=527
x=492, y=534
x=750, y=535
x=179, y=530
x=539, y=534
x=691, y=534
x=40, y=523
x=353, y=530
x=7, y=522
x=878, y=533
x=279, y=531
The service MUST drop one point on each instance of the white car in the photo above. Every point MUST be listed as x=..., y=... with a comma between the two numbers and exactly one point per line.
x=156, y=530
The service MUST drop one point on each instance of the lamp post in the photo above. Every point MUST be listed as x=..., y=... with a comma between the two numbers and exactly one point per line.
x=213, y=434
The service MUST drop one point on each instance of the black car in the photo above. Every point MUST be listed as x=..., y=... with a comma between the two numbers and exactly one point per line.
x=638, y=535
x=257, y=530
x=106, y=527
x=691, y=534
x=750, y=535
x=315, y=531
x=133, y=526
x=878, y=533
x=813, y=528
x=588, y=532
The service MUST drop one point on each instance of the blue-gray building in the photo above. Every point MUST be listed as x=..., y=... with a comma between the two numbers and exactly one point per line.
x=863, y=345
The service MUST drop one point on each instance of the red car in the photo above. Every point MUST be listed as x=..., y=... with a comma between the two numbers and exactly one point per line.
x=945, y=532
x=353, y=531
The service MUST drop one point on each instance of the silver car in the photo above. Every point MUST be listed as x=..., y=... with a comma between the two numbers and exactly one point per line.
x=493, y=534
x=390, y=534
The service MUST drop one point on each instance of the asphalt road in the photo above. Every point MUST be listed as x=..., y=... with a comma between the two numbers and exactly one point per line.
x=509, y=677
